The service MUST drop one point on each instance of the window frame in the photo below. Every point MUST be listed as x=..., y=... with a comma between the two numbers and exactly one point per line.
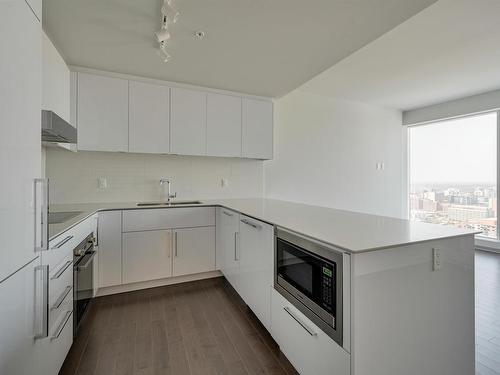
x=482, y=242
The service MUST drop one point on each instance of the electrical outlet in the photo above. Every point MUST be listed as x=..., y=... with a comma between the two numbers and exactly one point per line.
x=102, y=183
x=437, y=261
x=224, y=182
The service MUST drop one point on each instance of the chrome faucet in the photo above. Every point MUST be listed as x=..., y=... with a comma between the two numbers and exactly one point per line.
x=169, y=194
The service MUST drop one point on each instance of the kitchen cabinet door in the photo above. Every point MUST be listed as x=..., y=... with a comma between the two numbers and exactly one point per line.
x=20, y=144
x=110, y=248
x=18, y=314
x=257, y=129
x=36, y=7
x=149, y=118
x=194, y=250
x=102, y=116
x=147, y=255
x=227, y=250
x=256, y=266
x=188, y=122
x=308, y=348
x=223, y=125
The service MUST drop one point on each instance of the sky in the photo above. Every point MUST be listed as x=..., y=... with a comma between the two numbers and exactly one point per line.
x=461, y=150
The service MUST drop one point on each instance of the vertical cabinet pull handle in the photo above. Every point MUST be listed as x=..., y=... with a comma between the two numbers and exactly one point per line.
x=43, y=302
x=236, y=235
x=41, y=214
x=175, y=243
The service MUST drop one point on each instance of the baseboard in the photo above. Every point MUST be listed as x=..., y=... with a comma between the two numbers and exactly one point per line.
x=156, y=283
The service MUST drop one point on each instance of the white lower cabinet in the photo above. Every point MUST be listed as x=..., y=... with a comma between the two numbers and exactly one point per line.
x=228, y=227
x=110, y=248
x=147, y=255
x=308, y=348
x=194, y=250
x=256, y=266
x=18, y=316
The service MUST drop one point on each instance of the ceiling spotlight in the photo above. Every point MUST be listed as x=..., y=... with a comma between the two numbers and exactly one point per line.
x=169, y=16
x=162, y=35
x=199, y=34
x=170, y=11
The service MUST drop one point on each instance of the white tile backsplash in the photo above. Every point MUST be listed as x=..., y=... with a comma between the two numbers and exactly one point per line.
x=135, y=177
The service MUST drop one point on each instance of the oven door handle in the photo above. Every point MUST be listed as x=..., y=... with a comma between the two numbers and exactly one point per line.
x=89, y=257
x=298, y=320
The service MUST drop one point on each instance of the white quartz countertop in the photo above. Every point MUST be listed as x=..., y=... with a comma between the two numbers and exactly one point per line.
x=351, y=231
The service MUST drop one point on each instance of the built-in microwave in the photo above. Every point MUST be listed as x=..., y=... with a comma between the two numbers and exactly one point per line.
x=309, y=275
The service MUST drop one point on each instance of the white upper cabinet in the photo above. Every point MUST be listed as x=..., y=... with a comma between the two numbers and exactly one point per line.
x=257, y=129
x=55, y=81
x=223, y=125
x=113, y=114
x=149, y=118
x=188, y=122
x=102, y=113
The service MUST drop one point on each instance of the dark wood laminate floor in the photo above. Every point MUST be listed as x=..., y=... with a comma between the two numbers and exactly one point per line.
x=201, y=327
x=487, y=313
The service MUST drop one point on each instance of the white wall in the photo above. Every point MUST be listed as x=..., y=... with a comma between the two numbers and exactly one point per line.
x=135, y=177
x=326, y=151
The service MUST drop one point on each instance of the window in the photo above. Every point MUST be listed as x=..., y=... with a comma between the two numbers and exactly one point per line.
x=453, y=173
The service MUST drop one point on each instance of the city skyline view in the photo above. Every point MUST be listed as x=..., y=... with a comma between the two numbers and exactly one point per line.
x=453, y=173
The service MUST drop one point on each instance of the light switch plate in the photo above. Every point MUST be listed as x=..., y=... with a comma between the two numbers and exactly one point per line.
x=437, y=261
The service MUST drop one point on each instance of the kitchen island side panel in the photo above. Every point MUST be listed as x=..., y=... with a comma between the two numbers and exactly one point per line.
x=409, y=319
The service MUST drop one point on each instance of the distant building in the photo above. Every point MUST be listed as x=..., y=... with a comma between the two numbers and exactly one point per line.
x=467, y=213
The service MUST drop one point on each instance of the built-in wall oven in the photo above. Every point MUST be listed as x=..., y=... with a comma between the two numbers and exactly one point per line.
x=83, y=279
x=309, y=275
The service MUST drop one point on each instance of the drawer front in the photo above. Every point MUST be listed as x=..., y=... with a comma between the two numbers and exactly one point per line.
x=63, y=245
x=60, y=288
x=58, y=344
x=59, y=307
x=309, y=349
x=167, y=218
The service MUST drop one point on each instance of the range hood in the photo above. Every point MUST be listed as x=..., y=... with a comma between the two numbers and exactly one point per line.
x=56, y=130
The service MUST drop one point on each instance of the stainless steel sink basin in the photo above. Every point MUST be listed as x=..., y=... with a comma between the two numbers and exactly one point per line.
x=167, y=204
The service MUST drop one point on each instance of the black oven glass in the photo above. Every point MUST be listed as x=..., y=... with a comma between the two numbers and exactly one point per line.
x=83, y=282
x=309, y=274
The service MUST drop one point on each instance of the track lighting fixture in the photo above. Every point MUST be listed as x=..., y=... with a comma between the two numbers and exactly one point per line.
x=170, y=15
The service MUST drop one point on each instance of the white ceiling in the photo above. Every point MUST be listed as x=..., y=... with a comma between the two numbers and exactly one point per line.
x=449, y=50
x=261, y=47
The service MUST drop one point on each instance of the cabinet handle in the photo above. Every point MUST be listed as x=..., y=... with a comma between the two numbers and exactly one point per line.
x=175, y=243
x=60, y=244
x=43, y=215
x=298, y=320
x=236, y=235
x=227, y=213
x=44, y=302
x=253, y=225
x=61, y=326
x=61, y=298
x=61, y=270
